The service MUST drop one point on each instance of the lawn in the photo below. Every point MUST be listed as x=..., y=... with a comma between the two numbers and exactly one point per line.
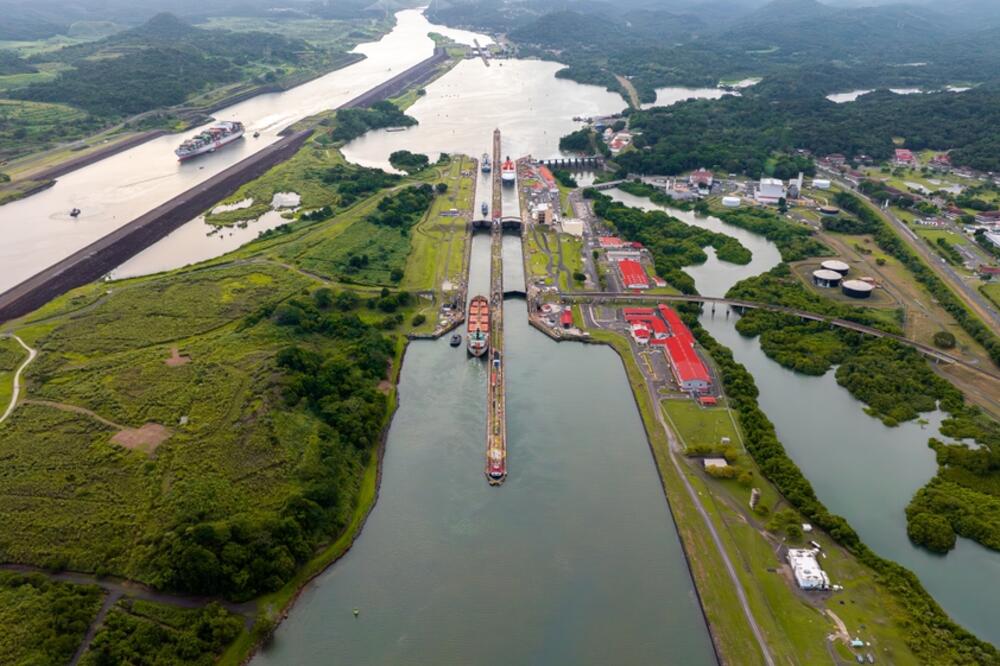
x=11, y=356
x=699, y=425
x=29, y=127
x=992, y=291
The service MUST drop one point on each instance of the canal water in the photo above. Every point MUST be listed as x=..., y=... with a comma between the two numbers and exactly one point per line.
x=860, y=468
x=574, y=560
x=38, y=231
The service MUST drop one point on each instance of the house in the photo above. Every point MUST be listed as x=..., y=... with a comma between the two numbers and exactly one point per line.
x=942, y=160
x=808, y=574
x=904, y=157
x=988, y=217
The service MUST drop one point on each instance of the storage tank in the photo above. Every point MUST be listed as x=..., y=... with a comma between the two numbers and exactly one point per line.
x=821, y=183
x=829, y=210
x=731, y=202
x=826, y=279
x=835, y=265
x=857, y=288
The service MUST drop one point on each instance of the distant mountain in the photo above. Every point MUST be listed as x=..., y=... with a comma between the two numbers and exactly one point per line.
x=162, y=26
x=795, y=28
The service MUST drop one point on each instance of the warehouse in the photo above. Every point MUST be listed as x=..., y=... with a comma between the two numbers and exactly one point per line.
x=633, y=275
x=688, y=369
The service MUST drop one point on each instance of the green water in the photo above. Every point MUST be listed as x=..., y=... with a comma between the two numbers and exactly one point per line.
x=574, y=560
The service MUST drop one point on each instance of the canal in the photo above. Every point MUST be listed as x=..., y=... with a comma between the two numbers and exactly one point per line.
x=860, y=468
x=38, y=231
x=574, y=559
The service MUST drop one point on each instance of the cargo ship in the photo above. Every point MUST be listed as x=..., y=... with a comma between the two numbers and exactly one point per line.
x=478, y=326
x=487, y=163
x=210, y=140
x=508, y=172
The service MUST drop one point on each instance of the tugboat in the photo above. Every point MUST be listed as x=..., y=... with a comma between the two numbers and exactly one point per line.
x=456, y=340
x=75, y=212
x=256, y=135
x=487, y=166
x=508, y=172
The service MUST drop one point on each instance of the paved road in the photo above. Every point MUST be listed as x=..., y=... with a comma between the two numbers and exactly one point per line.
x=32, y=353
x=980, y=305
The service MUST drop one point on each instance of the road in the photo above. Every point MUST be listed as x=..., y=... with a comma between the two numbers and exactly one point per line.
x=972, y=298
x=32, y=353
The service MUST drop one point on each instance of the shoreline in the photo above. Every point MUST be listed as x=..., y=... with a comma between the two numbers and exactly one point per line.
x=46, y=176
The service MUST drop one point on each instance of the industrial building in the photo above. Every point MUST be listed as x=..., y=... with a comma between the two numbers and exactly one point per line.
x=664, y=328
x=770, y=191
x=826, y=279
x=808, y=574
x=633, y=274
x=835, y=265
x=821, y=183
x=857, y=288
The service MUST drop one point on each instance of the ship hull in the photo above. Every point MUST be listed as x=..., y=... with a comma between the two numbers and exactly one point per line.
x=211, y=147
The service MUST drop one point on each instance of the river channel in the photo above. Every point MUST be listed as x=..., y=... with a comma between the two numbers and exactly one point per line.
x=860, y=469
x=38, y=231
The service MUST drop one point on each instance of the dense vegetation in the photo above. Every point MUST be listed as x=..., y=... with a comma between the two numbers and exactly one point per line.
x=44, y=621
x=409, y=162
x=672, y=243
x=142, y=633
x=739, y=134
x=352, y=123
x=158, y=64
x=932, y=635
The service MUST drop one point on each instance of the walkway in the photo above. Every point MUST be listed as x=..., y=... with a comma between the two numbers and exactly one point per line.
x=32, y=353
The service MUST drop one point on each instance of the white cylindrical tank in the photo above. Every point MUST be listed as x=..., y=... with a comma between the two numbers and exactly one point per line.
x=731, y=202
x=857, y=289
x=835, y=265
x=826, y=279
x=821, y=183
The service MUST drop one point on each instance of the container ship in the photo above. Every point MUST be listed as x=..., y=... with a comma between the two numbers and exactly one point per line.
x=486, y=163
x=478, y=326
x=210, y=140
x=508, y=172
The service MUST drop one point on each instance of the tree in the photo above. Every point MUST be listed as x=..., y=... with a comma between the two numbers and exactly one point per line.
x=782, y=205
x=441, y=188
x=418, y=319
x=4, y=178
x=944, y=340
x=931, y=531
x=396, y=274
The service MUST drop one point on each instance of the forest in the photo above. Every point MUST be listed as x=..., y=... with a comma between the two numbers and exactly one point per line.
x=352, y=123
x=740, y=134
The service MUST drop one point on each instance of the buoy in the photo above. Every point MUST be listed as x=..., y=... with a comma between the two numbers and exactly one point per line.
x=356, y=612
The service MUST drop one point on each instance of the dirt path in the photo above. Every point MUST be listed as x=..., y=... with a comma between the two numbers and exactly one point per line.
x=66, y=407
x=32, y=353
x=633, y=94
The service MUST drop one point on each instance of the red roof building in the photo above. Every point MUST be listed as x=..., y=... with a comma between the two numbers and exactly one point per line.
x=567, y=318
x=904, y=156
x=611, y=241
x=702, y=178
x=689, y=370
x=633, y=274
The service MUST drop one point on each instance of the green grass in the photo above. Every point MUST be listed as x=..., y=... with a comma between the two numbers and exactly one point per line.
x=11, y=356
x=35, y=126
x=439, y=241
x=699, y=425
x=992, y=291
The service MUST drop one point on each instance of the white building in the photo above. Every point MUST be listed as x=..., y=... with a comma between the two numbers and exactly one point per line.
x=808, y=573
x=821, y=184
x=770, y=191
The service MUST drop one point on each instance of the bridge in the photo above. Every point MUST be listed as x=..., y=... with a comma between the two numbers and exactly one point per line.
x=508, y=223
x=926, y=350
x=610, y=185
x=581, y=162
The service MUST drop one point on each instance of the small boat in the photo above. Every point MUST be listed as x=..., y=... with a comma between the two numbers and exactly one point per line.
x=456, y=340
x=256, y=135
x=486, y=209
x=75, y=212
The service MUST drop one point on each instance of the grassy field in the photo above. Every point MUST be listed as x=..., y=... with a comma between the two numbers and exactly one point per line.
x=792, y=622
x=439, y=241
x=11, y=356
x=37, y=126
x=697, y=425
x=331, y=34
